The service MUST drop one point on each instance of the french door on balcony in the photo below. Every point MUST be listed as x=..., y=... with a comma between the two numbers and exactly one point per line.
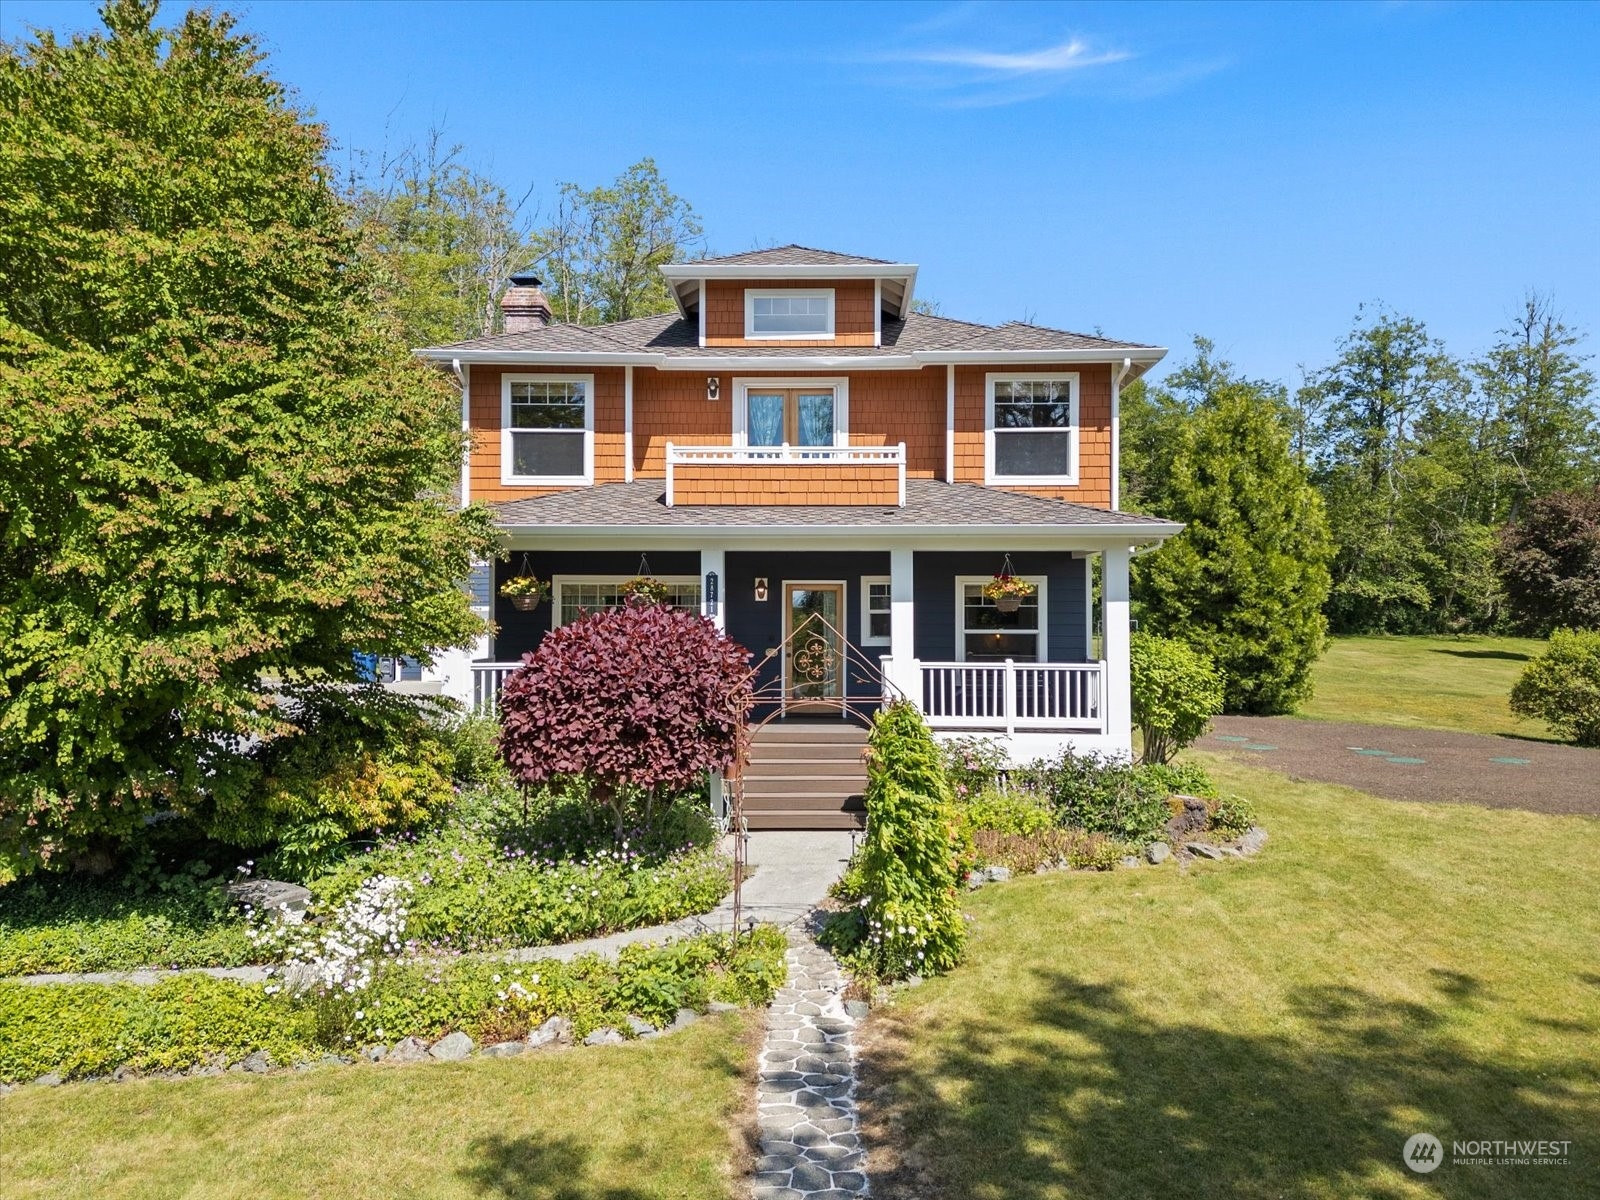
x=813, y=647
x=792, y=416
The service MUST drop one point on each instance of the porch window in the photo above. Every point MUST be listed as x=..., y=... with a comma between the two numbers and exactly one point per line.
x=1032, y=434
x=985, y=634
x=574, y=597
x=790, y=313
x=547, y=427
x=874, y=611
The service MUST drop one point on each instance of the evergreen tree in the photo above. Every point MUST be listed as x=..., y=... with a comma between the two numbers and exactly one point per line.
x=1246, y=580
x=219, y=474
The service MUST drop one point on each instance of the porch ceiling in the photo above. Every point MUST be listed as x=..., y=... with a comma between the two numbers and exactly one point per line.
x=932, y=508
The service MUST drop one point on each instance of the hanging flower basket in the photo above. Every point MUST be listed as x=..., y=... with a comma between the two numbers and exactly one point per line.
x=526, y=592
x=1008, y=592
x=646, y=590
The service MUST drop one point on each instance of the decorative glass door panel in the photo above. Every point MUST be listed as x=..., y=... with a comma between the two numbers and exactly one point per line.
x=814, y=653
x=794, y=416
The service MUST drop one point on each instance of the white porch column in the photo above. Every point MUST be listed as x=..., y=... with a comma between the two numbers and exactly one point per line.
x=903, y=626
x=1118, y=698
x=715, y=560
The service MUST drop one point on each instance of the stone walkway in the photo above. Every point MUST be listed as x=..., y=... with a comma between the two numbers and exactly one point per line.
x=805, y=1089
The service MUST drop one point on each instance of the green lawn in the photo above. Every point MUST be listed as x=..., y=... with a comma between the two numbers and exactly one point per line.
x=1460, y=683
x=1274, y=1028
x=647, y=1120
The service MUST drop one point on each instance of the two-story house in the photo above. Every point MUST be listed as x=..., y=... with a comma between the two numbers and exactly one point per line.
x=830, y=476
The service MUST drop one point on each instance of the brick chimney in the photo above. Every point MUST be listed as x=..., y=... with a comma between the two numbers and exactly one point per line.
x=525, y=306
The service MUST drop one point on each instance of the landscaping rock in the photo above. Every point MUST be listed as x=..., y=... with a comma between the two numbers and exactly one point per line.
x=453, y=1047
x=123, y=1073
x=556, y=1029
x=506, y=1049
x=1254, y=839
x=685, y=1018
x=721, y=1006
x=1204, y=850
x=375, y=1053
x=642, y=1028
x=333, y=1060
x=605, y=1036
x=1129, y=860
x=409, y=1050
x=256, y=1063
x=996, y=874
x=975, y=880
x=1193, y=819
x=857, y=1009
x=1158, y=852
x=288, y=900
x=50, y=1080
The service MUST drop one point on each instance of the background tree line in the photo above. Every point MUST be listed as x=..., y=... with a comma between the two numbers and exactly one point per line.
x=1433, y=472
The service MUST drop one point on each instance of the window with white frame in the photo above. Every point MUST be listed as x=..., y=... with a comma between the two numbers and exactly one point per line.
x=875, y=595
x=985, y=634
x=790, y=313
x=573, y=597
x=801, y=412
x=547, y=427
x=1032, y=433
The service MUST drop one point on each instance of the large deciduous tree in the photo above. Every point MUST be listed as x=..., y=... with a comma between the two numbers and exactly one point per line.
x=220, y=474
x=639, y=701
x=602, y=253
x=1246, y=580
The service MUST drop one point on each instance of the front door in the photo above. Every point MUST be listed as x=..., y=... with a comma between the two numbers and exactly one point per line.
x=813, y=647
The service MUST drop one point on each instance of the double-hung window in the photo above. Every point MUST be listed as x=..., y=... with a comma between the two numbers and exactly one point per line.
x=547, y=429
x=985, y=634
x=875, y=595
x=1032, y=429
x=789, y=313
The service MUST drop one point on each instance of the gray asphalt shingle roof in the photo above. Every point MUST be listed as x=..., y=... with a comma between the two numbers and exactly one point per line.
x=793, y=256
x=929, y=502
x=669, y=333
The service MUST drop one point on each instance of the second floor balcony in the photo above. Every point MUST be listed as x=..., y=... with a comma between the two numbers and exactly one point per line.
x=786, y=474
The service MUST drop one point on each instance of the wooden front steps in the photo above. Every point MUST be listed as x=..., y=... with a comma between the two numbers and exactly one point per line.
x=806, y=774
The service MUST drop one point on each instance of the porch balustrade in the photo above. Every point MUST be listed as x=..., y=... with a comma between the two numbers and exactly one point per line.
x=487, y=680
x=786, y=474
x=1009, y=696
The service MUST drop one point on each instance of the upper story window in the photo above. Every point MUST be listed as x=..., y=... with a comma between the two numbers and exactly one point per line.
x=547, y=429
x=790, y=313
x=790, y=412
x=1031, y=434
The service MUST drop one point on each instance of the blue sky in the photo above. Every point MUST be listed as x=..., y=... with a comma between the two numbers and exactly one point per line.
x=1251, y=173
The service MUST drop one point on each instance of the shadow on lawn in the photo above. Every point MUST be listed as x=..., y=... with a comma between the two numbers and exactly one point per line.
x=1087, y=1097
x=1508, y=655
x=539, y=1168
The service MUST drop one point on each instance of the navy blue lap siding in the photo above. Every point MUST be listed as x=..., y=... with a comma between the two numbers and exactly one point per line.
x=521, y=632
x=934, y=574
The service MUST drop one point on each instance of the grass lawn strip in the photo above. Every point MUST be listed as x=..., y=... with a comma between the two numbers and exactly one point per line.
x=646, y=1120
x=1274, y=1028
x=1460, y=683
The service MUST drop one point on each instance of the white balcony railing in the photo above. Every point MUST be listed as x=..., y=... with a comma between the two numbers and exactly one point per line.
x=487, y=680
x=1012, y=696
x=787, y=455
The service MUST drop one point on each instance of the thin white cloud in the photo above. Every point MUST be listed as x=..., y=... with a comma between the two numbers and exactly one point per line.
x=1072, y=55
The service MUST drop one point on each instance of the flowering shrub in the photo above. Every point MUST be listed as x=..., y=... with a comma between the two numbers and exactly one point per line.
x=638, y=701
x=908, y=919
x=973, y=765
x=1002, y=586
x=339, y=956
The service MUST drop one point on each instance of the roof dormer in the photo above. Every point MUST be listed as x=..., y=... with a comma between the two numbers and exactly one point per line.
x=791, y=295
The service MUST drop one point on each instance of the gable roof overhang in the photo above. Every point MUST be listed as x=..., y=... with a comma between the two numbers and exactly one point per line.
x=897, y=281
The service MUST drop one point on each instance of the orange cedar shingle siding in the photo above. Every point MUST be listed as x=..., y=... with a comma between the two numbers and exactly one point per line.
x=1094, y=433
x=748, y=483
x=484, y=413
x=886, y=407
x=854, y=323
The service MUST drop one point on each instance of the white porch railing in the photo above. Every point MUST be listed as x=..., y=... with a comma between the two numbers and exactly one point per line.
x=487, y=680
x=1012, y=696
x=787, y=455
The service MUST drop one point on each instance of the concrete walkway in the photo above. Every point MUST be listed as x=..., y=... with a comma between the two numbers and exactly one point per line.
x=792, y=874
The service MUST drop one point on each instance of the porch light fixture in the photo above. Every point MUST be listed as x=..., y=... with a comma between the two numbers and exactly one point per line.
x=761, y=589
x=713, y=387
